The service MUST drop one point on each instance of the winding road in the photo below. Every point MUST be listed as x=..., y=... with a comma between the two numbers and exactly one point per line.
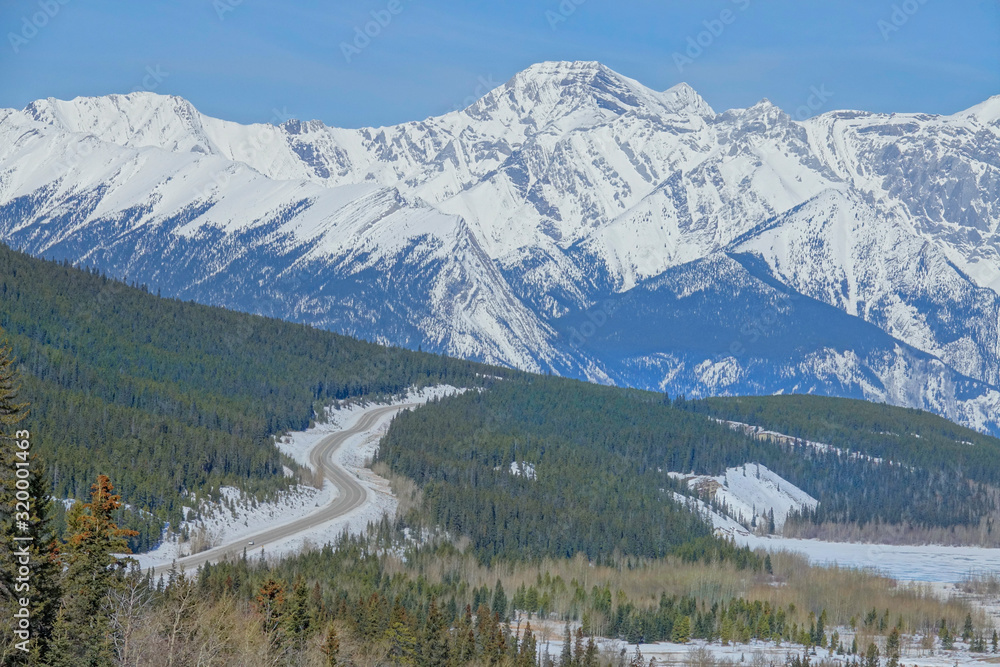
x=350, y=496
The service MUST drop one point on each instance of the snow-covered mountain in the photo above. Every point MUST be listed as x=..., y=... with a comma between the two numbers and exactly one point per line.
x=571, y=220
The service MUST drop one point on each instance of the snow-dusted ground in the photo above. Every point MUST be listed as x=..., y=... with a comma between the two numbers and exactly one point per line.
x=749, y=492
x=762, y=489
x=763, y=434
x=909, y=563
x=932, y=563
x=550, y=640
x=223, y=525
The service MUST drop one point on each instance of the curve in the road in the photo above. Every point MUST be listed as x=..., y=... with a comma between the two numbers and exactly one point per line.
x=351, y=495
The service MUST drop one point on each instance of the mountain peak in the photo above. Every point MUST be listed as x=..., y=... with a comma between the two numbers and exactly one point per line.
x=683, y=96
x=987, y=111
x=566, y=95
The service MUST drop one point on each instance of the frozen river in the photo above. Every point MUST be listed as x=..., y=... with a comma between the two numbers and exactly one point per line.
x=910, y=563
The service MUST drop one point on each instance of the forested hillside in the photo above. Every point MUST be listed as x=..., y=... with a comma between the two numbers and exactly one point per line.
x=176, y=398
x=552, y=467
x=904, y=435
x=173, y=397
x=935, y=479
x=391, y=597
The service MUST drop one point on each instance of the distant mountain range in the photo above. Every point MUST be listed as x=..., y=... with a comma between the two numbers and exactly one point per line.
x=572, y=220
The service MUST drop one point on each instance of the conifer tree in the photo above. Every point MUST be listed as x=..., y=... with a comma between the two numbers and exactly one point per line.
x=499, y=605
x=270, y=605
x=528, y=652
x=682, y=630
x=26, y=533
x=944, y=634
x=566, y=655
x=726, y=631
x=590, y=656
x=81, y=634
x=871, y=656
x=435, y=640
x=331, y=647
x=892, y=649
x=297, y=619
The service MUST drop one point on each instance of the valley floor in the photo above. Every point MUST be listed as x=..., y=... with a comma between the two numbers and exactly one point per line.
x=929, y=563
x=700, y=652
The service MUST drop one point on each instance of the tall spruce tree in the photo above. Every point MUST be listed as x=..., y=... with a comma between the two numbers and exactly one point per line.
x=892, y=649
x=27, y=534
x=499, y=605
x=82, y=633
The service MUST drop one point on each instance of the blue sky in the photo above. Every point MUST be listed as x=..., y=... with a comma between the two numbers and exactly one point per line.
x=259, y=60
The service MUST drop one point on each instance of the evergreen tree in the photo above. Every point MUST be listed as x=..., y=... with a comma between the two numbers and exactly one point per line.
x=682, y=630
x=270, y=605
x=402, y=643
x=527, y=654
x=499, y=606
x=590, y=656
x=944, y=634
x=892, y=649
x=968, y=630
x=726, y=630
x=996, y=642
x=27, y=536
x=45, y=561
x=81, y=636
x=435, y=640
x=24, y=638
x=331, y=647
x=566, y=655
x=871, y=656
x=578, y=647
x=297, y=617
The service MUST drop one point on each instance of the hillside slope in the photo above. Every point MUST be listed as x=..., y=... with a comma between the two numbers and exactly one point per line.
x=178, y=398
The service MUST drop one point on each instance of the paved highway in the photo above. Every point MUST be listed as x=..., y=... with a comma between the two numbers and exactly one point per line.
x=351, y=496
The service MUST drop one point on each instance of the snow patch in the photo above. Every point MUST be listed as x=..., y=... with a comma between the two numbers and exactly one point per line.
x=749, y=494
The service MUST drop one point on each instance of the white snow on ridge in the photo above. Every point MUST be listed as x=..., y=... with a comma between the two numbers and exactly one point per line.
x=748, y=494
x=723, y=526
x=497, y=219
x=773, y=436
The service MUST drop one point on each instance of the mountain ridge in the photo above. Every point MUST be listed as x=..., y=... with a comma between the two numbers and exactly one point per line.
x=478, y=232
